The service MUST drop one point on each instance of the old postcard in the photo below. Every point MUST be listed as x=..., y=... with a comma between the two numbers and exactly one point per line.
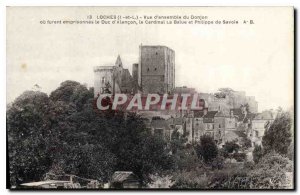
x=109, y=98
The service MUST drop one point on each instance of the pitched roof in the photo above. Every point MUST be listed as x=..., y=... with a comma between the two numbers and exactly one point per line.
x=266, y=115
x=198, y=114
x=220, y=114
x=242, y=117
x=210, y=114
x=120, y=176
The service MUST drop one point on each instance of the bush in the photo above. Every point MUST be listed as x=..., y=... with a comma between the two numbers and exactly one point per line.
x=271, y=172
x=230, y=178
x=193, y=180
x=207, y=149
x=218, y=162
x=249, y=165
x=231, y=146
x=257, y=153
x=239, y=157
x=246, y=143
x=160, y=181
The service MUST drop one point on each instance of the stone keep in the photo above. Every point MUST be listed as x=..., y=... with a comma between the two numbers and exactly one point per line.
x=156, y=71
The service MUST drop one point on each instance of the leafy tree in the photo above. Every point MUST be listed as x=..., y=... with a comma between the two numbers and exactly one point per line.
x=257, y=153
x=28, y=137
x=278, y=135
x=65, y=134
x=207, y=148
x=65, y=91
x=137, y=149
x=89, y=161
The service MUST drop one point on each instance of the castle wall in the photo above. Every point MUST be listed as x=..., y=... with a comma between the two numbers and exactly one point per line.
x=103, y=76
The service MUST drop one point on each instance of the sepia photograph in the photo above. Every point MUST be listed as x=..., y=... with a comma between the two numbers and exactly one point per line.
x=150, y=98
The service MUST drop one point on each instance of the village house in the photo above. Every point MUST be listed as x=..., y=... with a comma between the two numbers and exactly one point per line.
x=259, y=123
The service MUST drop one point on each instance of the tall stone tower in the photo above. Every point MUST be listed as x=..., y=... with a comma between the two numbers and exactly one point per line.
x=156, y=71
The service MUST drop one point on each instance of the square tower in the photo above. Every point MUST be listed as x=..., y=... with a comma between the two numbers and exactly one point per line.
x=156, y=69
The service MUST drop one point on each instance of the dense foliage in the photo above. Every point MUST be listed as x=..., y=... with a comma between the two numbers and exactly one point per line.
x=278, y=135
x=207, y=148
x=63, y=133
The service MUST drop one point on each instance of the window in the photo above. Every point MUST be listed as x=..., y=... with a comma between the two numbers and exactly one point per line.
x=219, y=125
x=147, y=69
x=155, y=69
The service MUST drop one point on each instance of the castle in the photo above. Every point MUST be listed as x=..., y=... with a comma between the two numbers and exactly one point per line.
x=155, y=73
x=226, y=113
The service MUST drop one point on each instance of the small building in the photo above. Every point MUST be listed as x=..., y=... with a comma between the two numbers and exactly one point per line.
x=259, y=123
x=124, y=179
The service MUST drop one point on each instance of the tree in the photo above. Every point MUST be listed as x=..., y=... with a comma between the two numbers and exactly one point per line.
x=29, y=135
x=257, y=153
x=207, y=148
x=278, y=135
x=136, y=148
x=64, y=133
x=65, y=91
x=89, y=161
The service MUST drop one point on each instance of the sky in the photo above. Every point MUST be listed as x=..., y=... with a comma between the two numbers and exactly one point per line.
x=257, y=58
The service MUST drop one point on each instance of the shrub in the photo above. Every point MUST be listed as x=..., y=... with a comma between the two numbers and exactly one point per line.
x=207, y=149
x=193, y=179
x=160, y=181
x=271, y=172
x=218, y=162
x=257, y=153
x=231, y=146
x=240, y=157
